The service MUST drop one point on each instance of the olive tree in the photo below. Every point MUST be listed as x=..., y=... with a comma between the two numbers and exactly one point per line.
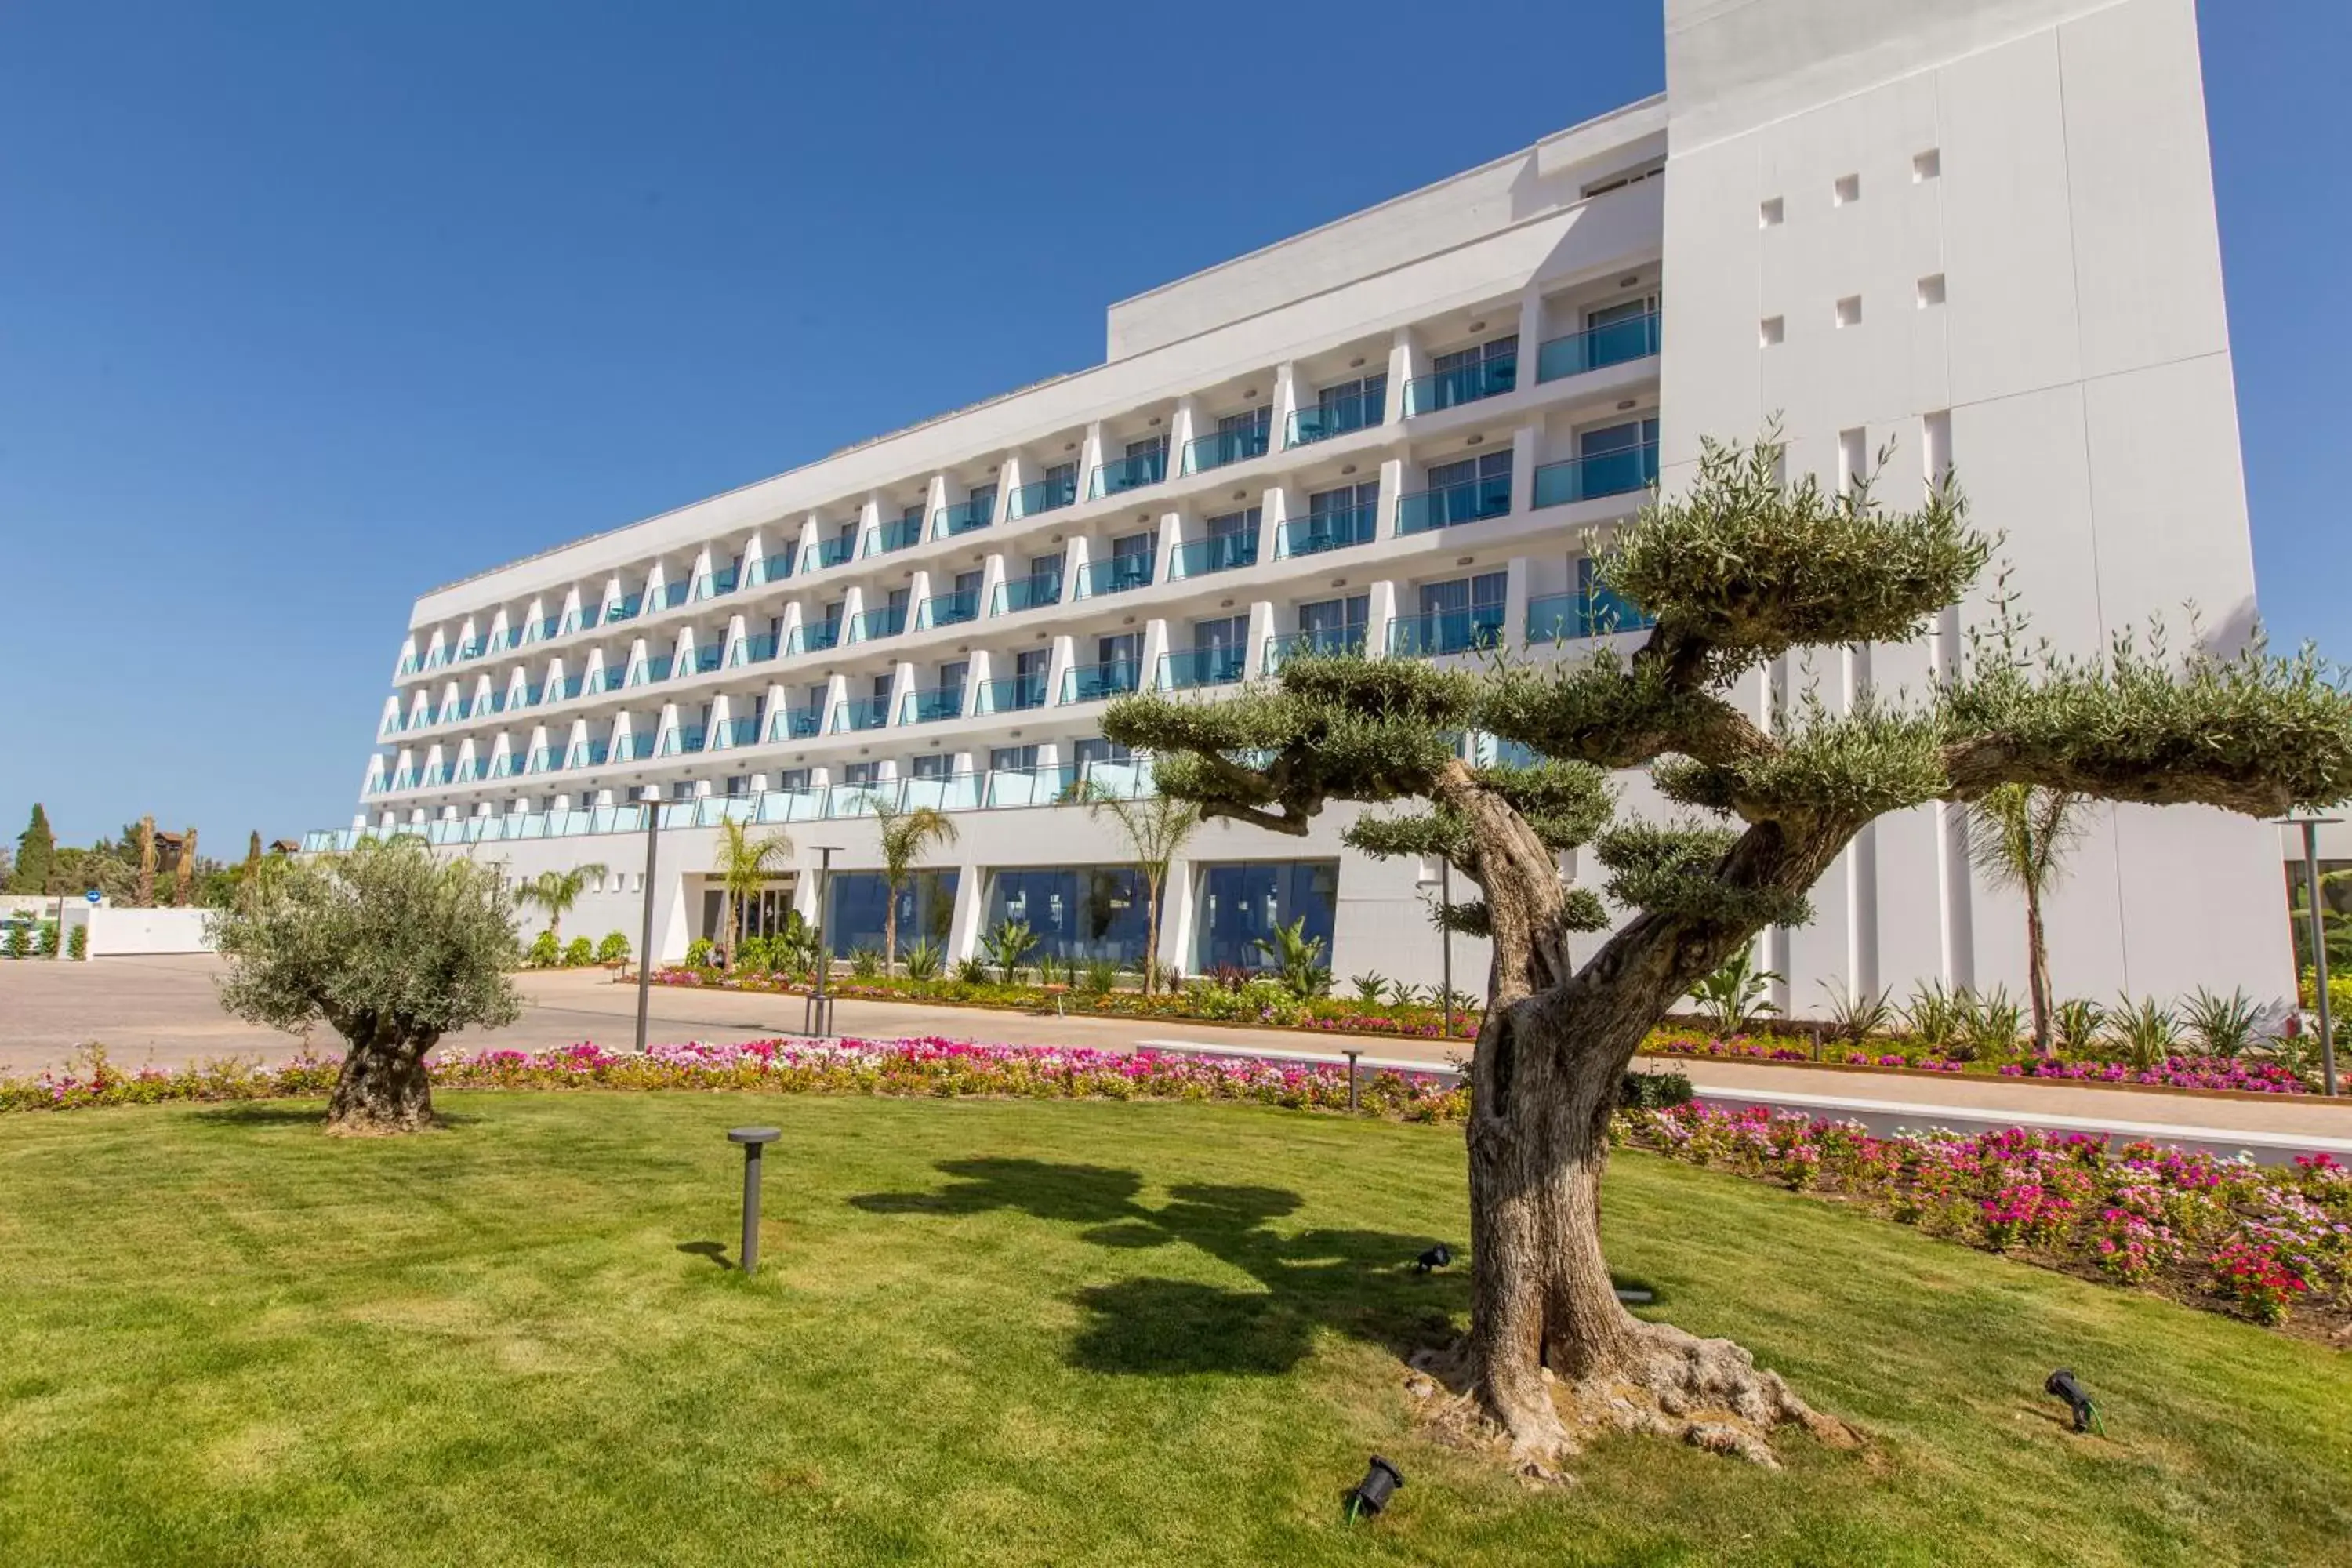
x=392, y=949
x=1740, y=570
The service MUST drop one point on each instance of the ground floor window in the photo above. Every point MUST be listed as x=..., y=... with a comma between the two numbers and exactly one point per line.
x=1077, y=911
x=764, y=913
x=1241, y=905
x=859, y=899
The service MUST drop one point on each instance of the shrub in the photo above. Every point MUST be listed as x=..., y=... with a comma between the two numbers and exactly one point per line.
x=1369, y=988
x=45, y=941
x=2077, y=1024
x=2143, y=1031
x=1932, y=1016
x=543, y=952
x=18, y=942
x=579, y=953
x=1639, y=1090
x=924, y=960
x=1007, y=945
x=1734, y=995
x=1988, y=1024
x=970, y=972
x=2223, y=1025
x=1857, y=1018
x=78, y=944
x=1297, y=958
x=865, y=963
x=698, y=953
x=613, y=949
x=755, y=954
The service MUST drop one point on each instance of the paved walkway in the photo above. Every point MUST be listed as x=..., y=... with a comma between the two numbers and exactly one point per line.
x=163, y=1010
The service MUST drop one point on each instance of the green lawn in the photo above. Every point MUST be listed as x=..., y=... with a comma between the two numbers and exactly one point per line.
x=1021, y=1333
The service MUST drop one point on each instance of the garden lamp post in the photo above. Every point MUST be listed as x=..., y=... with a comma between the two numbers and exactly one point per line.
x=2311, y=826
x=1445, y=934
x=651, y=798
x=816, y=1019
x=754, y=1140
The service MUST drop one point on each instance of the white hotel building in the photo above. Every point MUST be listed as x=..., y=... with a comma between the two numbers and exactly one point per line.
x=1979, y=232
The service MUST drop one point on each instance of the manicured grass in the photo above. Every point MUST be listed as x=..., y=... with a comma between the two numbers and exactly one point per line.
x=1022, y=1332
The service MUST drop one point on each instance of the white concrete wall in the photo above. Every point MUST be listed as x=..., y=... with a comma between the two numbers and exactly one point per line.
x=2046, y=162
x=121, y=933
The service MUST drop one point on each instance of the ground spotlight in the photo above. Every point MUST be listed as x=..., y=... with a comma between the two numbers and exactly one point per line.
x=2086, y=1414
x=1372, y=1493
x=1436, y=1258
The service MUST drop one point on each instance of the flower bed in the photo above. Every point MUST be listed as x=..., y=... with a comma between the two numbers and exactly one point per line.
x=2173, y=1072
x=2260, y=1240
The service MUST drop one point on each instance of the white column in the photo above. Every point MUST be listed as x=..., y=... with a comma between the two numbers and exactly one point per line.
x=1405, y=362
x=1378, y=616
x=1514, y=602
x=1523, y=469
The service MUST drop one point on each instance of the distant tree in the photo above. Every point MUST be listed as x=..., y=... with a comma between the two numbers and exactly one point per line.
x=146, y=841
x=2019, y=837
x=1156, y=829
x=744, y=865
x=183, y=873
x=556, y=892
x=393, y=949
x=36, y=850
x=906, y=832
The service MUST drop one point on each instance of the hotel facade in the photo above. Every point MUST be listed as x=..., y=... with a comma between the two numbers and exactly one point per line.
x=1974, y=234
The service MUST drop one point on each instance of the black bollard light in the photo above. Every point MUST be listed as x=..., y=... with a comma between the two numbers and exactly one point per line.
x=1436, y=1258
x=754, y=1140
x=1372, y=1493
x=1351, y=1078
x=2063, y=1385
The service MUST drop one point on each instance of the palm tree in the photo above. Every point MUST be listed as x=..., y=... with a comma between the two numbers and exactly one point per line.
x=906, y=832
x=557, y=891
x=2017, y=834
x=744, y=866
x=1157, y=828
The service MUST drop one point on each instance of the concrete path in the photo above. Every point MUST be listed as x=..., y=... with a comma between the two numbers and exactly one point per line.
x=165, y=1011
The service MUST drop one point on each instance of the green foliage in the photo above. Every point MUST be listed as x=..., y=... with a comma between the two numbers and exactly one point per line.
x=1653, y=1089
x=865, y=963
x=923, y=958
x=972, y=972
x=2221, y=1026
x=2145, y=1031
x=1985, y=1025
x=1933, y=1015
x=2078, y=1023
x=45, y=939
x=78, y=944
x=17, y=942
x=545, y=952
x=1371, y=989
x=1006, y=946
x=385, y=945
x=1736, y=994
x=1098, y=976
x=613, y=949
x=698, y=953
x=557, y=891
x=1297, y=958
x=36, y=849
x=579, y=953
x=1854, y=1019
x=744, y=863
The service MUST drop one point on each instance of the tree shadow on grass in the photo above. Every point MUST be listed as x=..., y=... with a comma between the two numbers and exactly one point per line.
x=1356, y=1282
x=282, y=1113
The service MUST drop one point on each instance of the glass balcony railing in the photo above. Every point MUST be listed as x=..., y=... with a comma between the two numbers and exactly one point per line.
x=812, y=637
x=437, y=775
x=795, y=723
x=543, y=760
x=504, y=766
x=624, y=609
x=703, y=660
x=1187, y=669
x=1592, y=610
x=601, y=678
x=470, y=650
x=736, y=733
x=835, y=551
x=1220, y=447
x=646, y=672
x=753, y=650
x=887, y=621
x=682, y=741
x=1464, y=384
x=1450, y=506
x=772, y=568
x=930, y=707
x=1446, y=631
x=578, y=620
x=469, y=770
x=1093, y=682
x=668, y=596
x=1116, y=575
x=1625, y=471
x=1329, y=640
x=1014, y=694
x=710, y=585
x=1598, y=347
x=1358, y=411
x=1319, y=532
x=409, y=664
x=566, y=690
x=899, y=533
x=633, y=748
x=948, y=609
x=1017, y=594
x=588, y=754
x=525, y=696
x=437, y=657
x=1222, y=554
x=1127, y=474
x=964, y=516
x=1041, y=495
x=862, y=713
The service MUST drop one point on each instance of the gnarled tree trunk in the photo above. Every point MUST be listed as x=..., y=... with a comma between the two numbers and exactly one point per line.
x=384, y=1086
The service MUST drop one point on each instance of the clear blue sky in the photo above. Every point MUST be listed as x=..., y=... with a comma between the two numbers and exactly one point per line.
x=306, y=309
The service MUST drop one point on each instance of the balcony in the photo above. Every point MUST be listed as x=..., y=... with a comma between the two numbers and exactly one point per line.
x=862, y=713
x=710, y=585
x=1625, y=471
x=948, y=609
x=796, y=723
x=469, y=650
x=887, y=621
x=1329, y=641
x=1093, y=683
x=646, y=672
x=668, y=597
x=1446, y=631
x=736, y=733
x=1596, y=347
x=1357, y=410
x=503, y=767
x=1190, y=669
x=751, y=650
x=588, y=754
x=624, y=609
x=1041, y=495
x=437, y=775
x=1017, y=594
x=964, y=516
x=1464, y=384
x=1220, y=447
x=566, y=690
x=771, y=568
x=835, y=551
x=1222, y=553
x=632, y=747
x=930, y=707
x=468, y=770
x=1450, y=506
x=812, y=637
x=543, y=760
x=526, y=696
x=1592, y=610
x=1116, y=575
x=409, y=664
x=899, y=533
x=682, y=741
x=1128, y=474
x=1017, y=694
